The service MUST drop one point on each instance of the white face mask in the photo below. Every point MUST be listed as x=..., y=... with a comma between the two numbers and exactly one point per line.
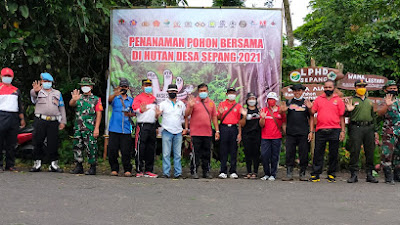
x=252, y=102
x=231, y=97
x=85, y=89
x=6, y=80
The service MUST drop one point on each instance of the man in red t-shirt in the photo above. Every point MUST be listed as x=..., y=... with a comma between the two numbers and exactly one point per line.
x=203, y=112
x=229, y=112
x=144, y=105
x=330, y=128
x=272, y=122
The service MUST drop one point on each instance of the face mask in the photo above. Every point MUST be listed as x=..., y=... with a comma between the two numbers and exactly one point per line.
x=148, y=90
x=85, y=89
x=271, y=102
x=361, y=91
x=123, y=91
x=172, y=95
x=203, y=95
x=252, y=102
x=6, y=80
x=47, y=85
x=328, y=92
x=394, y=93
x=231, y=97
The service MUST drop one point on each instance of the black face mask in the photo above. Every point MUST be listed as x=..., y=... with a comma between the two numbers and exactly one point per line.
x=123, y=91
x=172, y=95
x=394, y=93
x=328, y=92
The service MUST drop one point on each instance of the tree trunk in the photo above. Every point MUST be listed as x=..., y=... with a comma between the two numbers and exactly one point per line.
x=288, y=19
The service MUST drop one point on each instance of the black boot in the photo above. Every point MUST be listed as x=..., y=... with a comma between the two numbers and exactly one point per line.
x=289, y=174
x=388, y=175
x=302, y=175
x=78, y=169
x=396, y=175
x=371, y=178
x=92, y=170
x=353, y=178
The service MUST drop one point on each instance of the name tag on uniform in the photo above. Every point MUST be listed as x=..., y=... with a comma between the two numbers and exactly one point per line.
x=356, y=103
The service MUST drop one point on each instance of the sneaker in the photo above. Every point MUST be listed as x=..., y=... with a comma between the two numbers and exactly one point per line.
x=1, y=170
x=12, y=169
x=265, y=177
x=178, y=177
x=271, y=178
x=140, y=174
x=223, y=176
x=331, y=179
x=195, y=176
x=164, y=176
x=315, y=179
x=150, y=174
x=234, y=176
x=207, y=175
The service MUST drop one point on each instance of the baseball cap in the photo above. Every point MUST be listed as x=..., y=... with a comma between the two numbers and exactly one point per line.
x=7, y=71
x=273, y=95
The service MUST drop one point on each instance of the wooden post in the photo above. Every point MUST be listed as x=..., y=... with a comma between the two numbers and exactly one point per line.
x=106, y=137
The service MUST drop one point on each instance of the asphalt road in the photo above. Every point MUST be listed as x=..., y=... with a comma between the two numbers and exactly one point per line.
x=49, y=198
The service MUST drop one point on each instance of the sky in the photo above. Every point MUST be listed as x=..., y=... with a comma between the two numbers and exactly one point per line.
x=298, y=8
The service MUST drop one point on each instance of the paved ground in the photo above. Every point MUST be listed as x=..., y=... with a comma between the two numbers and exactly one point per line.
x=48, y=198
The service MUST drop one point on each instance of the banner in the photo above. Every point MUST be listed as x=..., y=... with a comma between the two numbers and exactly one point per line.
x=241, y=48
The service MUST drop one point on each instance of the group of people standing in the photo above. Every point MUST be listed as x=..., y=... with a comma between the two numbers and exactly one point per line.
x=260, y=129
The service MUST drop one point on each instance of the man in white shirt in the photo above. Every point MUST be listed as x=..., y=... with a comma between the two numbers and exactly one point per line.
x=172, y=112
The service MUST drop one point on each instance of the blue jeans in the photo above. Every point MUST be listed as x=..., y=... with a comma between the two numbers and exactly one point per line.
x=270, y=150
x=171, y=142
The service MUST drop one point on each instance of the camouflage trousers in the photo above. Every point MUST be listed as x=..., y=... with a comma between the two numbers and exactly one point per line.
x=390, y=150
x=83, y=139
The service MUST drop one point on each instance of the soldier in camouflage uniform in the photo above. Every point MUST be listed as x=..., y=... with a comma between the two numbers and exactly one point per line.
x=390, y=110
x=86, y=128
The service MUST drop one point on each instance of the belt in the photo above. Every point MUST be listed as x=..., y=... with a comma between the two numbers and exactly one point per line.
x=146, y=123
x=361, y=123
x=229, y=125
x=47, y=118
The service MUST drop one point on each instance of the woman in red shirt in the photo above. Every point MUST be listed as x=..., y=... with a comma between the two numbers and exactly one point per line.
x=272, y=122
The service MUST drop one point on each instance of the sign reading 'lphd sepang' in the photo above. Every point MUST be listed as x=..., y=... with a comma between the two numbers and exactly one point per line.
x=315, y=75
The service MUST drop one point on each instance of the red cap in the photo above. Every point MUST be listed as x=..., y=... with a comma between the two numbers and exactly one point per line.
x=7, y=71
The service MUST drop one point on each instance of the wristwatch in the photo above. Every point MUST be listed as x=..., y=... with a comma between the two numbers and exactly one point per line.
x=217, y=131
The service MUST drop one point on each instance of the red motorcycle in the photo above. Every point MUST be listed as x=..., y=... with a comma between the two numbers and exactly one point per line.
x=24, y=146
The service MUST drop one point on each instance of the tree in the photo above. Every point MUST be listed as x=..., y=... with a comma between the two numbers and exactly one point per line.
x=228, y=3
x=288, y=21
x=364, y=35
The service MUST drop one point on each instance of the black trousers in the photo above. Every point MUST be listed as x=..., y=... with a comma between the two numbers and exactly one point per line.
x=146, y=141
x=228, y=146
x=121, y=142
x=9, y=124
x=201, y=152
x=361, y=135
x=304, y=146
x=45, y=129
x=252, y=144
x=321, y=138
